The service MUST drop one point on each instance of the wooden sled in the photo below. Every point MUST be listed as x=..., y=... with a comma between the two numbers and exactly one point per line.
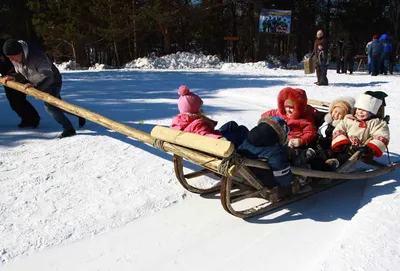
x=239, y=187
x=238, y=184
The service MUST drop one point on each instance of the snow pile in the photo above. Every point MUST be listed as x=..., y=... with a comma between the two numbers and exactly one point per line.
x=99, y=67
x=180, y=60
x=293, y=64
x=186, y=60
x=69, y=66
x=251, y=66
x=271, y=62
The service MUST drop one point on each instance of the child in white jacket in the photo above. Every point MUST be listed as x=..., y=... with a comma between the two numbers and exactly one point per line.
x=364, y=130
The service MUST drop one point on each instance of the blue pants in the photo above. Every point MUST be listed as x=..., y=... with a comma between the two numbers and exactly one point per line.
x=375, y=60
x=385, y=62
x=55, y=112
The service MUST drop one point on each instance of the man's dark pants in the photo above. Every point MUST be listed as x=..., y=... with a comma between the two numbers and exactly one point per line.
x=22, y=106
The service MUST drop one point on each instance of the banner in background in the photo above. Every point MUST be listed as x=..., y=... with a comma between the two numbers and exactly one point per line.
x=275, y=21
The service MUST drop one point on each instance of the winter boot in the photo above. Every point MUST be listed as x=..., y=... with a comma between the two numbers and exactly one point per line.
x=300, y=185
x=67, y=133
x=82, y=122
x=29, y=124
x=333, y=163
x=310, y=153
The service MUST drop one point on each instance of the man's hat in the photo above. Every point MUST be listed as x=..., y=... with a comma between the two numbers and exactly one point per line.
x=12, y=47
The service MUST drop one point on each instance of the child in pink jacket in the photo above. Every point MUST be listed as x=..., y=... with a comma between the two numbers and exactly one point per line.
x=191, y=118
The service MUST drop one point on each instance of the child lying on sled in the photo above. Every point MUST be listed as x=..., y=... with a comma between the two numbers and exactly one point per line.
x=191, y=119
x=268, y=142
x=364, y=131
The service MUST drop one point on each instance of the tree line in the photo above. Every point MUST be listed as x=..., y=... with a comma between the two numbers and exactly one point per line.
x=114, y=32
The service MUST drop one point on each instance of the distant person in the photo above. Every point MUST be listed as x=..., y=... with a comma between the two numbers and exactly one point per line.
x=369, y=56
x=320, y=40
x=18, y=102
x=349, y=53
x=339, y=56
x=375, y=51
x=40, y=73
x=386, y=54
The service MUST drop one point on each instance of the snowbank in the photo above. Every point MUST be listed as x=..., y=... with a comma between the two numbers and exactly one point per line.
x=69, y=66
x=270, y=63
x=73, y=66
x=251, y=66
x=180, y=60
x=186, y=60
x=99, y=67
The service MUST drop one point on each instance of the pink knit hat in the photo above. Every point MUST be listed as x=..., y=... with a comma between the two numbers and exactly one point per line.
x=188, y=102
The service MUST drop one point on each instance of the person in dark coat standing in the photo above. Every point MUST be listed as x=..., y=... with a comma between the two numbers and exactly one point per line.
x=18, y=102
x=348, y=52
x=339, y=56
x=375, y=50
x=42, y=74
x=321, y=40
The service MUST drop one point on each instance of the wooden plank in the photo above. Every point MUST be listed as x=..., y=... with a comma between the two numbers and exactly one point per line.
x=217, y=147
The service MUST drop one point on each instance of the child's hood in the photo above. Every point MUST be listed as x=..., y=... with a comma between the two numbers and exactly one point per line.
x=299, y=98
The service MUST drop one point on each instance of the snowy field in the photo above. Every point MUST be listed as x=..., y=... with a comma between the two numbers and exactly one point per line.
x=103, y=201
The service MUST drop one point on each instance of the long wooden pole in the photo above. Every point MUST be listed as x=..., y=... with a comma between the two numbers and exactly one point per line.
x=194, y=156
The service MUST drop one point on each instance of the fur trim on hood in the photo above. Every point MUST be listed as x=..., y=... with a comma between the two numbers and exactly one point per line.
x=282, y=136
x=346, y=100
x=297, y=96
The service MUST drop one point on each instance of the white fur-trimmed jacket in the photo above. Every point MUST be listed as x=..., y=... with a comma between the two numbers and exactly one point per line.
x=355, y=132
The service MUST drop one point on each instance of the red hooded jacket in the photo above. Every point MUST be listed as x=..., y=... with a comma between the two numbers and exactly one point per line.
x=302, y=121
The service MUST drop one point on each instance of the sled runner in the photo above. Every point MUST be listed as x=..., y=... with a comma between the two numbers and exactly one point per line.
x=239, y=188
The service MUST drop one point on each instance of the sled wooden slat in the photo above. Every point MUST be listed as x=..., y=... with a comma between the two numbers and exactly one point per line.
x=318, y=103
x=217, y=147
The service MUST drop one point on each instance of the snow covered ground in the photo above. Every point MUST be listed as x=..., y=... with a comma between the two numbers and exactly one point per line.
x=102, y=201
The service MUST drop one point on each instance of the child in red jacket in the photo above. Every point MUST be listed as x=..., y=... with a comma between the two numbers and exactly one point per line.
x=299, y=116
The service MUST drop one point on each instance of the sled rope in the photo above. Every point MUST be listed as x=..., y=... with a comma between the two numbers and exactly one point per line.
x=159, y=144
x=226, y=163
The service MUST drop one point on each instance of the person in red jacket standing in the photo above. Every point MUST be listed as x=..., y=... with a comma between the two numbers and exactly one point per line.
x=300, y=117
